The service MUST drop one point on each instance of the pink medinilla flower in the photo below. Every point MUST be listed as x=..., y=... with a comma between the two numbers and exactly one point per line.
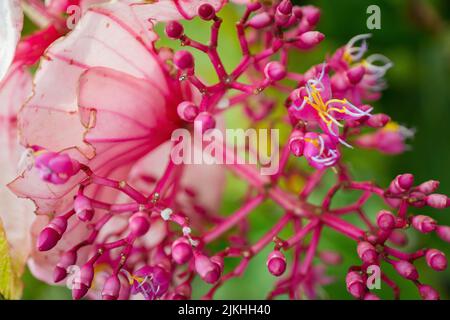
x=119, y=219
x=390, y=139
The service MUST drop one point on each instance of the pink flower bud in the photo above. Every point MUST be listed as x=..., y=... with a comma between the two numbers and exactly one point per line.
x=330, y=257
x=312, y=14
x=111, y=288
x=423, y=223
x=204, y=122
x=260, y=21
x=297, y=145
x=83, y=281
x=367, y=252
x=254, y=5
x=355, y=74
x=139, y=224
x=399, y=238
x=83, y=208
x=285, y=7
x=208, y=270
x=428, y=293
x=52, y=233
x=298, y=12
x=275, y=71
x=436, y=260
x=174, y=30
x=428, y=186
x=378, y=120
x=371, y=296
x=438, y=201
x=355, y=284
x=443, y=232
x=276, y=263
x=187, y=111
x=56, y=168
x=406, y=269
x=181, y=251
x=183, y=60
x=309, y=40
x=417, y=199
x=206, y=11
x=401, y=183
x=385, y=220
x=68, y=259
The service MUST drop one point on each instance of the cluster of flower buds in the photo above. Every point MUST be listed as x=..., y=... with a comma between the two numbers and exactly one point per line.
x=135, y=230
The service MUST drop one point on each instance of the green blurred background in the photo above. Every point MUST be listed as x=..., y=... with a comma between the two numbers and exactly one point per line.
x=415, y=35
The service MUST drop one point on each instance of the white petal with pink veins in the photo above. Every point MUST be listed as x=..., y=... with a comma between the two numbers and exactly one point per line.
x=16, y=214
x=11, y=22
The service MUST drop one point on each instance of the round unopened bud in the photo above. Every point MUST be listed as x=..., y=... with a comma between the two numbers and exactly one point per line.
x=378, y=120
x=183, y=60
x=52, y=233
x=187, y=111
x=275, y=71
x=406, y=269
x=208, y=270
x=399, y=238
x=276, y=263
x=68, y=259
x=401, y=183
x=181, y=250
x=443, y=232
x=83, y=282
x=254, y=5
x=355, y=284
x=297, y=143
x=174, y=29
x=367, y=252
x=371, y=296
x=285, y=7
x=427, y=292
x=139, y=224
x=204, y=122
x=423, y=223
x=206, y=12
x=260, y=21
x=355, y=74
x=83, y=208
x=438, y=201
x=436, y=260
x=428, y=186
x=311, y=14
x=309, y=40
x=111, y=289
x=385, y=220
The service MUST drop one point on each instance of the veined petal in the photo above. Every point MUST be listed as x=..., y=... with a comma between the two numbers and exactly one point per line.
x=167, y=10
x=11, y=23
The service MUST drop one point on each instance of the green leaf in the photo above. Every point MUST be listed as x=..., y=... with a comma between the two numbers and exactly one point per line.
x=10, y=283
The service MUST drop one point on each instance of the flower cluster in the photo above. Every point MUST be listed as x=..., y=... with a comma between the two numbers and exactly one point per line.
x=110, y=200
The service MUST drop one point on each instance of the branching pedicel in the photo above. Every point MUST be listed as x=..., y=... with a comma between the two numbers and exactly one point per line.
x=327, y=111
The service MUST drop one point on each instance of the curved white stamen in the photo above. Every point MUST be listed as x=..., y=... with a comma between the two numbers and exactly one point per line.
x=301, y=106
x=345, y=144
x=355, y=52
x=379, y=70
x=358, y=112
x=186, y=231
x=332, y=130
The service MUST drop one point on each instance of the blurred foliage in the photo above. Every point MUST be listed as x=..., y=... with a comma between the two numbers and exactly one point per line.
x=415, y=35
